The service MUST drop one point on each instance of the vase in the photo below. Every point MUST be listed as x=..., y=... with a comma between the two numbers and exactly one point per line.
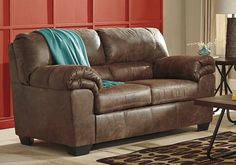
x=204, y=51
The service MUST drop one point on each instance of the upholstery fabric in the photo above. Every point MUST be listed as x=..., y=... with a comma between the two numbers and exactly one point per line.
x=104, y=72
x=62, y=77
x=31, y=52
x=67, y=48
x=206, y=86
x=93, y=46
x=122, y=97
x=132, y=44
x=54, y=115
x=131, y=71
x=83, y=117
x=13, y=67
x=149, y=119
x=170, y=90
x=130, y=52
x=184, y=67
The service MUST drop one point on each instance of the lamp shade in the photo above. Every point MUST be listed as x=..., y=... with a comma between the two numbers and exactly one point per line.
x=226, y=6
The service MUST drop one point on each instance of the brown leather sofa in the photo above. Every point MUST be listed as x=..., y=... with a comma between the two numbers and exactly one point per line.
x=67, y=104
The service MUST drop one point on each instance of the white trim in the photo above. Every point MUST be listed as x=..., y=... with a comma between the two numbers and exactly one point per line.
x=232, y=84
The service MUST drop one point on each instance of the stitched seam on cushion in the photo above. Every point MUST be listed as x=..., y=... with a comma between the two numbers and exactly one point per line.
x=72, y=116
x=16, y=66
x=126, y=106
x=21, y=67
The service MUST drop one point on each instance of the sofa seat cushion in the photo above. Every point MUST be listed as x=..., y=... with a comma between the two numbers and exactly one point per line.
x=170, y=90
x=122, y=97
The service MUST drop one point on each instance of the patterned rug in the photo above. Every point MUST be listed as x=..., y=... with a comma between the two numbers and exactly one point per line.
x=184, y=153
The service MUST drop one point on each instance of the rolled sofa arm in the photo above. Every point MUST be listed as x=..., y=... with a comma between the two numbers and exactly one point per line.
x=184, y=67
x=66, y=77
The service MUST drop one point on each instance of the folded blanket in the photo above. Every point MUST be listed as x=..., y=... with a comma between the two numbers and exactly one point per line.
x=67, y=48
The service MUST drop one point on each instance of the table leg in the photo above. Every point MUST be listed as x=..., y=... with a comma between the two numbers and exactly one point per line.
x=220, y=87
x=227, y=88
x=224, y=79
x=225, y=74
x=223, y=83
x=209, y=155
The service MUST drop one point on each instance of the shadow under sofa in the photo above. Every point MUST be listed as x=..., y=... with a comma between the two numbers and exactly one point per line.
x=66, y=104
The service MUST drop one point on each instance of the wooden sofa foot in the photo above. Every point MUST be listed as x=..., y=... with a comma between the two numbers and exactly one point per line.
x=78, y=151
x=203, y=127
x=26, y=141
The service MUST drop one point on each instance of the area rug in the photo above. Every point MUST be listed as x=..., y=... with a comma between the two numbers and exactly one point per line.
x=184, y=153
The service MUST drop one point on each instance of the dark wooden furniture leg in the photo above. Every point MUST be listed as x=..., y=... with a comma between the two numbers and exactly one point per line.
x=227, y=88
x=224, y=83
x=224, y=154
x=79, y=151
x=26, y=141
x=203, y=127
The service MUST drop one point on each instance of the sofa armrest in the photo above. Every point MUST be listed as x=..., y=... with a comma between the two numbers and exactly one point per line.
x=66, y=77
x=184, y=67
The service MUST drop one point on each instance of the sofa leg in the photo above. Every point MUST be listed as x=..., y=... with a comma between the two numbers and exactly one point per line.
x=78, y=151
x=203, y=127
x=26, y=141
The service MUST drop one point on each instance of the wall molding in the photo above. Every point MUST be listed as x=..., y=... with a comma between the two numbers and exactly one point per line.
x=7, y=122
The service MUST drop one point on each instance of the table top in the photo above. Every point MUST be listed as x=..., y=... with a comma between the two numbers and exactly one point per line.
x=224, y=101
x=225, y=61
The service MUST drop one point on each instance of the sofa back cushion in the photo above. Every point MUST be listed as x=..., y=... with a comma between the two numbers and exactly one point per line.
x=130, y=52
x=123, y=45
x=93, y=46
x=131, y=71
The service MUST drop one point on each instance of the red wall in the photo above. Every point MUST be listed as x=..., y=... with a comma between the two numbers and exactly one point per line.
x=18, y=16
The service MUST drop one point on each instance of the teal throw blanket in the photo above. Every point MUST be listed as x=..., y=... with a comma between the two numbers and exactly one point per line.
x=67, y=48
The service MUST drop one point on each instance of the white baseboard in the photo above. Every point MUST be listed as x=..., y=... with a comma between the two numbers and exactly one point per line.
x=232, y=84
